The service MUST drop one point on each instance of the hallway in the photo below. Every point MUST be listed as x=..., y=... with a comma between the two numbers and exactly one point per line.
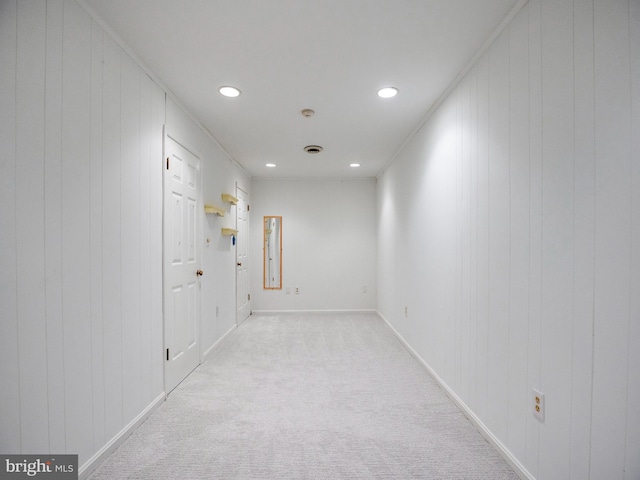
x=307, y=396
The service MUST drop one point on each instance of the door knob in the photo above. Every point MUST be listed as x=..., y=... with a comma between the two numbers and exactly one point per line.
x=239, y=264
x=199, y=273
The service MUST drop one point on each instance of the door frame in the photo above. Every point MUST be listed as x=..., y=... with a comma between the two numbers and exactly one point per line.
x=248, y=260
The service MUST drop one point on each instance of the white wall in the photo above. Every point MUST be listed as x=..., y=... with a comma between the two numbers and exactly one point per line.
x=329, y=243
x=81, y=232
x=510, y=228
x=81, y=215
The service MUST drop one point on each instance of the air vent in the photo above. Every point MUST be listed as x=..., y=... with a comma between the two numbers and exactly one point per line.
x=313, y=149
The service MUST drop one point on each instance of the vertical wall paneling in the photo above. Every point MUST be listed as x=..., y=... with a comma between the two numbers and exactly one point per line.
x=613, y=236
x=53, y=226
x=632, y=459
x=155, y=233
x=499, y=235
x=439, y=220
x=454, y=226
x=557, y=234
x=583, y=274
x=81, y=211
x=535, y=226
x=450, y=223
x=456, y=244
x=483, y=237
x=29, y=180
x=97, y=347
x=111, y=295
x=433, y=288
x=519, y=223
x=10, y=411
x=463, y=340
x=144, y=220
x=555, y=237
x=473, y=236
x=76, y=227
x=130, y=235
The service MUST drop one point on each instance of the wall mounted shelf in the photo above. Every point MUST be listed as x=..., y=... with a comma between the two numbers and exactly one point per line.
x=229, y=231
x=214, y=209
x=227, y=197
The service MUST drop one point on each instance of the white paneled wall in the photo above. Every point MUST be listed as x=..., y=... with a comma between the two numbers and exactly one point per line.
x=328, y=232
x=81, y=232
x=509, y=227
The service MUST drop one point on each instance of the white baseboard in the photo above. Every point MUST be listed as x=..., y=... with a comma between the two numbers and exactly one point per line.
x=282, y=312
x=503, y=451
x=220, y=341
x=94, y=462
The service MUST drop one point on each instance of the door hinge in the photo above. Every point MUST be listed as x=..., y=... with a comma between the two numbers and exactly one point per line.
x=167, y=163
x=167, y=354
x=249, y=296
x=248, y=207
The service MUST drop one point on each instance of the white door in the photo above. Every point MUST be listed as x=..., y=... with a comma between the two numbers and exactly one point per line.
x=181, y=262
x=242, y=256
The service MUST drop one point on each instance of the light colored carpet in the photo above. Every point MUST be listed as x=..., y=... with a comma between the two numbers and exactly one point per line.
x=318, y=396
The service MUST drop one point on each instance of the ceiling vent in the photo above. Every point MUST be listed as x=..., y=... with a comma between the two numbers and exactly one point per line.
x=313, y=149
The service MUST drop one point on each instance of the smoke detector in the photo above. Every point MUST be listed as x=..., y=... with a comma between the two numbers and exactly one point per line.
x=313, y=149
x=307, y=113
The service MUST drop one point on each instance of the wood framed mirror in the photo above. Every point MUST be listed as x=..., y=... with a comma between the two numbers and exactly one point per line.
x=272, y=253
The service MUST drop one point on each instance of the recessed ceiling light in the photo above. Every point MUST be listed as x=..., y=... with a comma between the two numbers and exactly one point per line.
x=229, y=91
x=354, y=165
x=313, y=149
x=271, y=165
x=387, y=92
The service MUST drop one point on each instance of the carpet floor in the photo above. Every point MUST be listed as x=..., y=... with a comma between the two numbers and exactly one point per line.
x=313, y=396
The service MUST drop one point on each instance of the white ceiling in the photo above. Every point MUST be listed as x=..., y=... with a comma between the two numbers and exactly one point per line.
x=286, y=55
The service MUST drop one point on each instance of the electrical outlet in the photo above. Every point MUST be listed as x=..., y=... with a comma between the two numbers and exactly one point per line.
x=364, y=289
x=406, y=312
x=297, y=290
x=217, y=311
x=537, y=401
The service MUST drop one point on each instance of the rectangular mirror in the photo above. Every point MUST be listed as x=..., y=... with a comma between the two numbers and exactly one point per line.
x=272, y=261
